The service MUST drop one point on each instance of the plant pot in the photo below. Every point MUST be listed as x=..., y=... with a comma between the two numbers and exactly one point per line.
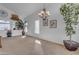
x=71, y=45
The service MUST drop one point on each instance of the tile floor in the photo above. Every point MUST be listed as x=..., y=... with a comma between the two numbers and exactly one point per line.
x=32, y=46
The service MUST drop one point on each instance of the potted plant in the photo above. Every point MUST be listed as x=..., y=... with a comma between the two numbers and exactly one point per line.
x=70, y=13
x=21, y=25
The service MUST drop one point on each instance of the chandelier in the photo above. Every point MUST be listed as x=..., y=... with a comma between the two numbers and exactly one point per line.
x=44, y=14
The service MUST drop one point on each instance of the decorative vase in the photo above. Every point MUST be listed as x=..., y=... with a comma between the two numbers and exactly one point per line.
x=9, y=33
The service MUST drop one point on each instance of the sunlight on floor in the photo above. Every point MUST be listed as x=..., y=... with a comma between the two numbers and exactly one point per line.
x=23, y=36
x=38, y=42
x=38, y=47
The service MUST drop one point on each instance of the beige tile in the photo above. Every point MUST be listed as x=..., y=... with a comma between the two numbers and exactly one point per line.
x=32, y=46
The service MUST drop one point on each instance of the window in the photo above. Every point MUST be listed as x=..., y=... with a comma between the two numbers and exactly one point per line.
x=4, y=25
x=37, y=28
x=26, y=30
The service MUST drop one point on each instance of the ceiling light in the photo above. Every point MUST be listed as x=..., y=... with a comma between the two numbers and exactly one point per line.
x=44, y=13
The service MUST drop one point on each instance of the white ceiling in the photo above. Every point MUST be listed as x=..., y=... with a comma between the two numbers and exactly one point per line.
x=23, y=9
x=26, y=9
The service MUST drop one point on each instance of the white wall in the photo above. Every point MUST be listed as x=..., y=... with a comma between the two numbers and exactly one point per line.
x=51, y=34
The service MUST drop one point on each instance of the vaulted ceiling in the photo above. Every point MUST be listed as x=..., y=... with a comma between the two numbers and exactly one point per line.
x=26, y=9
x=23, y=9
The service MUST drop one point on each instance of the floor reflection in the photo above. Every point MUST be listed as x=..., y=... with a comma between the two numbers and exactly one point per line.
x=38, y=42
x=23, y=36
x=38, y=47
x=32, y=46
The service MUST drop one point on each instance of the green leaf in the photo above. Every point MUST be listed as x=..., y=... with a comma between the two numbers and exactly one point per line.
x=70, y=14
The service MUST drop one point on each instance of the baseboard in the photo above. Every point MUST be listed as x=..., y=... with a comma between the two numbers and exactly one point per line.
x=46, y=40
